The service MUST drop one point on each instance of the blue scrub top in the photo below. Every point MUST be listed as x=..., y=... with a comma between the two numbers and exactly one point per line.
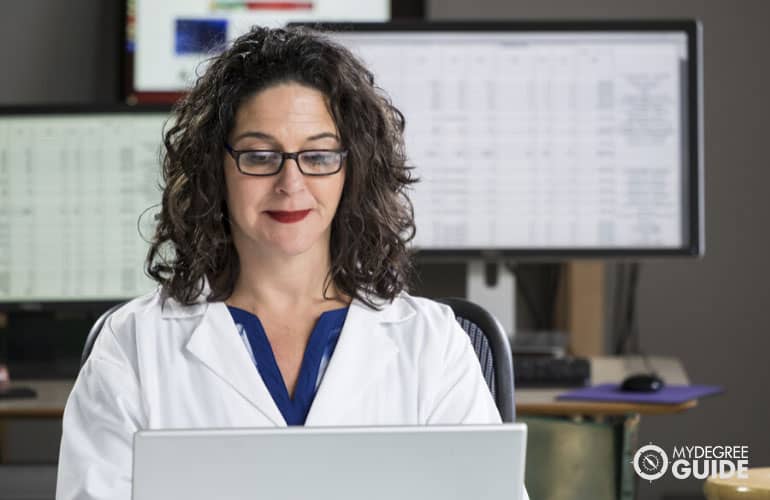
x=320, y=347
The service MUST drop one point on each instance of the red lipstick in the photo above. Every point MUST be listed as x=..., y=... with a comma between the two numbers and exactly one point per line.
x=288, y=217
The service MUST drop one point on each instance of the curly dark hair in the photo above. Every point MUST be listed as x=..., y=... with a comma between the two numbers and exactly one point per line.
x=374, y=221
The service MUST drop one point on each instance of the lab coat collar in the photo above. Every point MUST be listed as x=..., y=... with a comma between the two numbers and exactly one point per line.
x=363, y=351
x=217, y=344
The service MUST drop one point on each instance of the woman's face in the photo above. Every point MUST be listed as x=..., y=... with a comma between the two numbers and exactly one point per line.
x=286, y=117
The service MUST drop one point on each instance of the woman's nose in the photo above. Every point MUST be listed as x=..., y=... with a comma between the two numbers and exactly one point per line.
x=290, y=178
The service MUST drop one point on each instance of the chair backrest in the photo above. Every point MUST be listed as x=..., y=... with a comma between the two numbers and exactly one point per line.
x=492, y=348
x=94, y=332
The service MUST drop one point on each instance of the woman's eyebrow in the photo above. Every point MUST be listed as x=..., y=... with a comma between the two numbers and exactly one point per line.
x=323, y=135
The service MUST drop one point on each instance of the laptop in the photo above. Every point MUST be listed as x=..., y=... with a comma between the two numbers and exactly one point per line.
x=480, y=462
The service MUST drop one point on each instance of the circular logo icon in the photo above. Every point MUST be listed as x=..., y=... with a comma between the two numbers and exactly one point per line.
x=650, y=462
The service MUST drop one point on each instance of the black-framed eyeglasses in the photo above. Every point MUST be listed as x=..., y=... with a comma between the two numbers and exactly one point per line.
x=264, y=162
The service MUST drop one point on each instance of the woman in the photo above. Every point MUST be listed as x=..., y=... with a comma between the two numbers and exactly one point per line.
x=281, y=255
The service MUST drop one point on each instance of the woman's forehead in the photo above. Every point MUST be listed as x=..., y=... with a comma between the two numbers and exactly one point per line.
x=282, y=105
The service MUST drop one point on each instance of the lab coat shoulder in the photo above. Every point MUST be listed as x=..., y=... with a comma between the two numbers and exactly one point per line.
x=116, y=394
x=452, y=387
x=102, y=413
x=117, y=341
x=113, y=364
x=144, y=324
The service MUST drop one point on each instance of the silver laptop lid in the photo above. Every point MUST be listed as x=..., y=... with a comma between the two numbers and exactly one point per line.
x=332, y=463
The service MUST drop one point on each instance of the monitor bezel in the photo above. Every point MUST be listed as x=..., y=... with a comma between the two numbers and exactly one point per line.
x=692, y=28
x=82, y=109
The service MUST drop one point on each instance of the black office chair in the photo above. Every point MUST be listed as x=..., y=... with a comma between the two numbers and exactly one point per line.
x=94, y=332
x=493, y=349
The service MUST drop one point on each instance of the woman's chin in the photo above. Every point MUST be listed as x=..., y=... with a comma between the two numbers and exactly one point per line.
x=291, y=248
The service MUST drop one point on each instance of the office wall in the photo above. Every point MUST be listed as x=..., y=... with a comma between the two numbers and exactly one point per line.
x=59, y=52
x=711, y=313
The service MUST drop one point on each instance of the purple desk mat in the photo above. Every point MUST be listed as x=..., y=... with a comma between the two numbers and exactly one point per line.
x=670, y=394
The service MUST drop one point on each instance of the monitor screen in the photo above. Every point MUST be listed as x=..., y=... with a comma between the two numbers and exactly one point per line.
x=73, y=188
x=168, y=41
x=546, y=138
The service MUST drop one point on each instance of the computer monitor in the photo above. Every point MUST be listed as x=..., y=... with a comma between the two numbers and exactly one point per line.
x=73, y=185
x=167, y=42
x=561, y=139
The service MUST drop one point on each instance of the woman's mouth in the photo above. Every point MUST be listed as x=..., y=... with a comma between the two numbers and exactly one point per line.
x=288, y=217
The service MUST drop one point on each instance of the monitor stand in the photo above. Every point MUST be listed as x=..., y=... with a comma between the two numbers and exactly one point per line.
x=492, y=285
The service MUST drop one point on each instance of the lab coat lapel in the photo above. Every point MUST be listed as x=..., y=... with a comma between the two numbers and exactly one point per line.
x=363, y=352
x=217, y=344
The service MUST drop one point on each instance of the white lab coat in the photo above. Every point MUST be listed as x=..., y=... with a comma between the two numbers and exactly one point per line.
x=162, y=365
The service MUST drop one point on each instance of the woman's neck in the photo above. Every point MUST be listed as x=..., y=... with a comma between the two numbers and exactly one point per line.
x=285, y=283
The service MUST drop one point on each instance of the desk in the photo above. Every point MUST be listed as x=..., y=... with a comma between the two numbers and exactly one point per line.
x=49, y=403
x=588, y=446
x=33, y=474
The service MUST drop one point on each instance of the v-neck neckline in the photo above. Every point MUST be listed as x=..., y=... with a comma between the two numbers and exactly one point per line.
x=308, y=373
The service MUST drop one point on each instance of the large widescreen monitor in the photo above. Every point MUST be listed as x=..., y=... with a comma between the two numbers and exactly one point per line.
x=548, y=138
x=73, y=186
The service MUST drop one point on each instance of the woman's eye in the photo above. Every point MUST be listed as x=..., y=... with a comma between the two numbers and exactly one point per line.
x=258, y=158
x=319, y=158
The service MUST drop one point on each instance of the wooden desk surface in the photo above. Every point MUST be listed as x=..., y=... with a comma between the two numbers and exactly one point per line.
x=49, y=403
x=52, y=394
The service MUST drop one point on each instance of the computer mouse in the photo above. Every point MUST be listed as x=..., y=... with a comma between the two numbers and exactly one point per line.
x=642, y=382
